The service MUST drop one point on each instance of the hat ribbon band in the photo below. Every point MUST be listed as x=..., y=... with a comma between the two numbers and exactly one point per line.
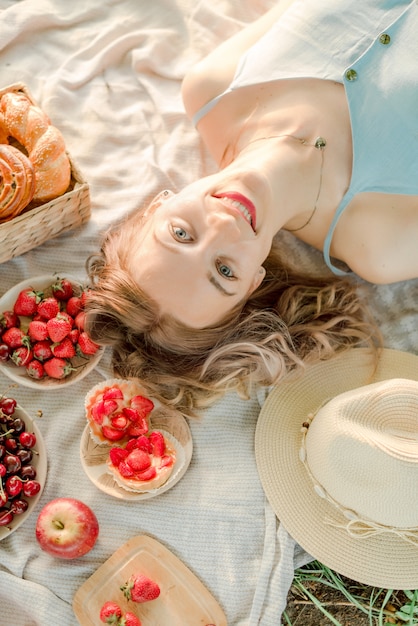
x=360, y=529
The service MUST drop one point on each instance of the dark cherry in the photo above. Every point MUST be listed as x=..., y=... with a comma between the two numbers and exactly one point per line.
x=6, y=516
x=14, y=486
x=11, y=444
x=4, y=352
x=8, y=405
x=12, y=463
x=2, y=450
x=28, y=471
x=26, y=439
x=19, y=506
x=31, y=488
x=18, y=425
x=24, y=455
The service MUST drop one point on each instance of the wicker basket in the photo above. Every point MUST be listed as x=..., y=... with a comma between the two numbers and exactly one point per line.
x=38, y=224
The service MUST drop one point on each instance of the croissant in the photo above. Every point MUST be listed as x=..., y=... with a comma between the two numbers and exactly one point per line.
x=17, y=182
x=44, y=144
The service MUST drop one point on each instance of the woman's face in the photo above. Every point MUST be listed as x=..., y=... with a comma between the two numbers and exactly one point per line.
x=200, y=252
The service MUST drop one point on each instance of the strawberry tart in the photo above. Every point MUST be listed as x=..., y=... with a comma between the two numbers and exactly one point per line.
x=118, y=414
x=144, y=463
x=116, y=410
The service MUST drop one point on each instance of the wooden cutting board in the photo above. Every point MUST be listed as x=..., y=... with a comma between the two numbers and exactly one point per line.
x=183, y=601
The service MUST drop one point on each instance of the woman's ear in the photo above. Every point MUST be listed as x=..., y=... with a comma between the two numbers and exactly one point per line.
x=158, y=200
x=258, y=279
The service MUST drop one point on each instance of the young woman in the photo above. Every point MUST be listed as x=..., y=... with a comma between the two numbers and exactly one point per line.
x=311, y=115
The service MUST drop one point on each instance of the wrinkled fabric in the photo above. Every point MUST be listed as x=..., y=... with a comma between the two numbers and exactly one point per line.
x=108, y=74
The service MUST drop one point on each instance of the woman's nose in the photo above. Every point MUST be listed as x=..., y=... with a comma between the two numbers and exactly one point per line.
x=225, y=224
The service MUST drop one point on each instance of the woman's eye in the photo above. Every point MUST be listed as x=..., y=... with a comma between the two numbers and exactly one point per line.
x=180, y=234
x=225, y=271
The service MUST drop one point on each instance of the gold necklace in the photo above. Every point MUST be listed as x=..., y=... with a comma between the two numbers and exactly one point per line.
x=319, y=144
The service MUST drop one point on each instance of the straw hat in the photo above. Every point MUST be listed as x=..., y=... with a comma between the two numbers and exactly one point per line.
x=337, y=454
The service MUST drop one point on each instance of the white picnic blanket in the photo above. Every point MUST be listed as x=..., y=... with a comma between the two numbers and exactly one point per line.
x=108, y=74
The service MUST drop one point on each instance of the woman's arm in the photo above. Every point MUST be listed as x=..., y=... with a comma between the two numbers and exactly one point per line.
x=377, y=237
x=213, y=74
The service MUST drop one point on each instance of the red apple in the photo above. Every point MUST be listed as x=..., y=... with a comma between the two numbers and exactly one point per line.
x=67, y=528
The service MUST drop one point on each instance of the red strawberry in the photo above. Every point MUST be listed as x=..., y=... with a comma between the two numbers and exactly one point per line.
x=138, y=460
x=35, y=369
x=74, y=306
x=125, y=470
x=131, y=445
x=166, y=460
x=74, y=335
x=22, y=356
x=119, y=421
x=68, y=317
x=141, y=442
x=147, y=474
x=130, y=619
x=58, y=368
x=140, y=588
x=42, y=350
x=158, y=444
x=27, y=302
x=142, y=404
x=114, y=393
x=79, y=320
x=110, y=613
x=136, y=430
x=38, y=330
x=58, y=327
x=84, y=297
x=102, y=409
x=64, y=349
x=113, y=434
x=139, y=425
x=48, y=308
x=8, y=319
x=87, y=345
x=14, y=337
x=132, y=414
x=117, y=455
x=62, y=289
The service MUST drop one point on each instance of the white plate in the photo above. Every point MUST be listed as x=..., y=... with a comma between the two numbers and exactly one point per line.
x=18, y=374
x=38, y=461
x=94, y=456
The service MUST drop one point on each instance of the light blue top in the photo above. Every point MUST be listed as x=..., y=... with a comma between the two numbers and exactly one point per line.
x=372, y=48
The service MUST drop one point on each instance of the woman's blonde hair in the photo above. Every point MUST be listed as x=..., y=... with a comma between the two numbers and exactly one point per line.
x=291, y=320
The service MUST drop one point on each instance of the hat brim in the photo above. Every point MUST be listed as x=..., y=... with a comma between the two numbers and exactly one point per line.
x=384, y=560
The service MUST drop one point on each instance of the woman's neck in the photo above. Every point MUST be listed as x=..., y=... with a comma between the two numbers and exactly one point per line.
x=293, y=166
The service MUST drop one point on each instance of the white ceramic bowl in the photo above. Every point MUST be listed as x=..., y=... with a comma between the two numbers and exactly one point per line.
x=18, y=374
x=39, y=462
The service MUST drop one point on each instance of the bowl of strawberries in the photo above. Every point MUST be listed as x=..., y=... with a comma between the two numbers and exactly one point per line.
x=43, y=342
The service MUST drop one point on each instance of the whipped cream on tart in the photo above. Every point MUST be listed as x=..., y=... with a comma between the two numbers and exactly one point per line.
x=117, y=410
x=143, y=463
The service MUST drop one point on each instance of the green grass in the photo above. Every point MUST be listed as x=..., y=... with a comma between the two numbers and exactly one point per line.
x=338, y=599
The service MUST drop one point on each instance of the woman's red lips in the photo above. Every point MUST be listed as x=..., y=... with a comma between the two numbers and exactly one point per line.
x=247, y=208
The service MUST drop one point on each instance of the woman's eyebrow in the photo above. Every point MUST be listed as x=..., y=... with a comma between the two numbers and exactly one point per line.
x=218, y=285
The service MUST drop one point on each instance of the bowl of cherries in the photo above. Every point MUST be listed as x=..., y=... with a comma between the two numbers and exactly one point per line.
x=22, y=465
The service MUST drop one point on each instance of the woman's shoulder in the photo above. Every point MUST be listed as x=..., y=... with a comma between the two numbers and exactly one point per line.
x=376, y=237
x=212, y=75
